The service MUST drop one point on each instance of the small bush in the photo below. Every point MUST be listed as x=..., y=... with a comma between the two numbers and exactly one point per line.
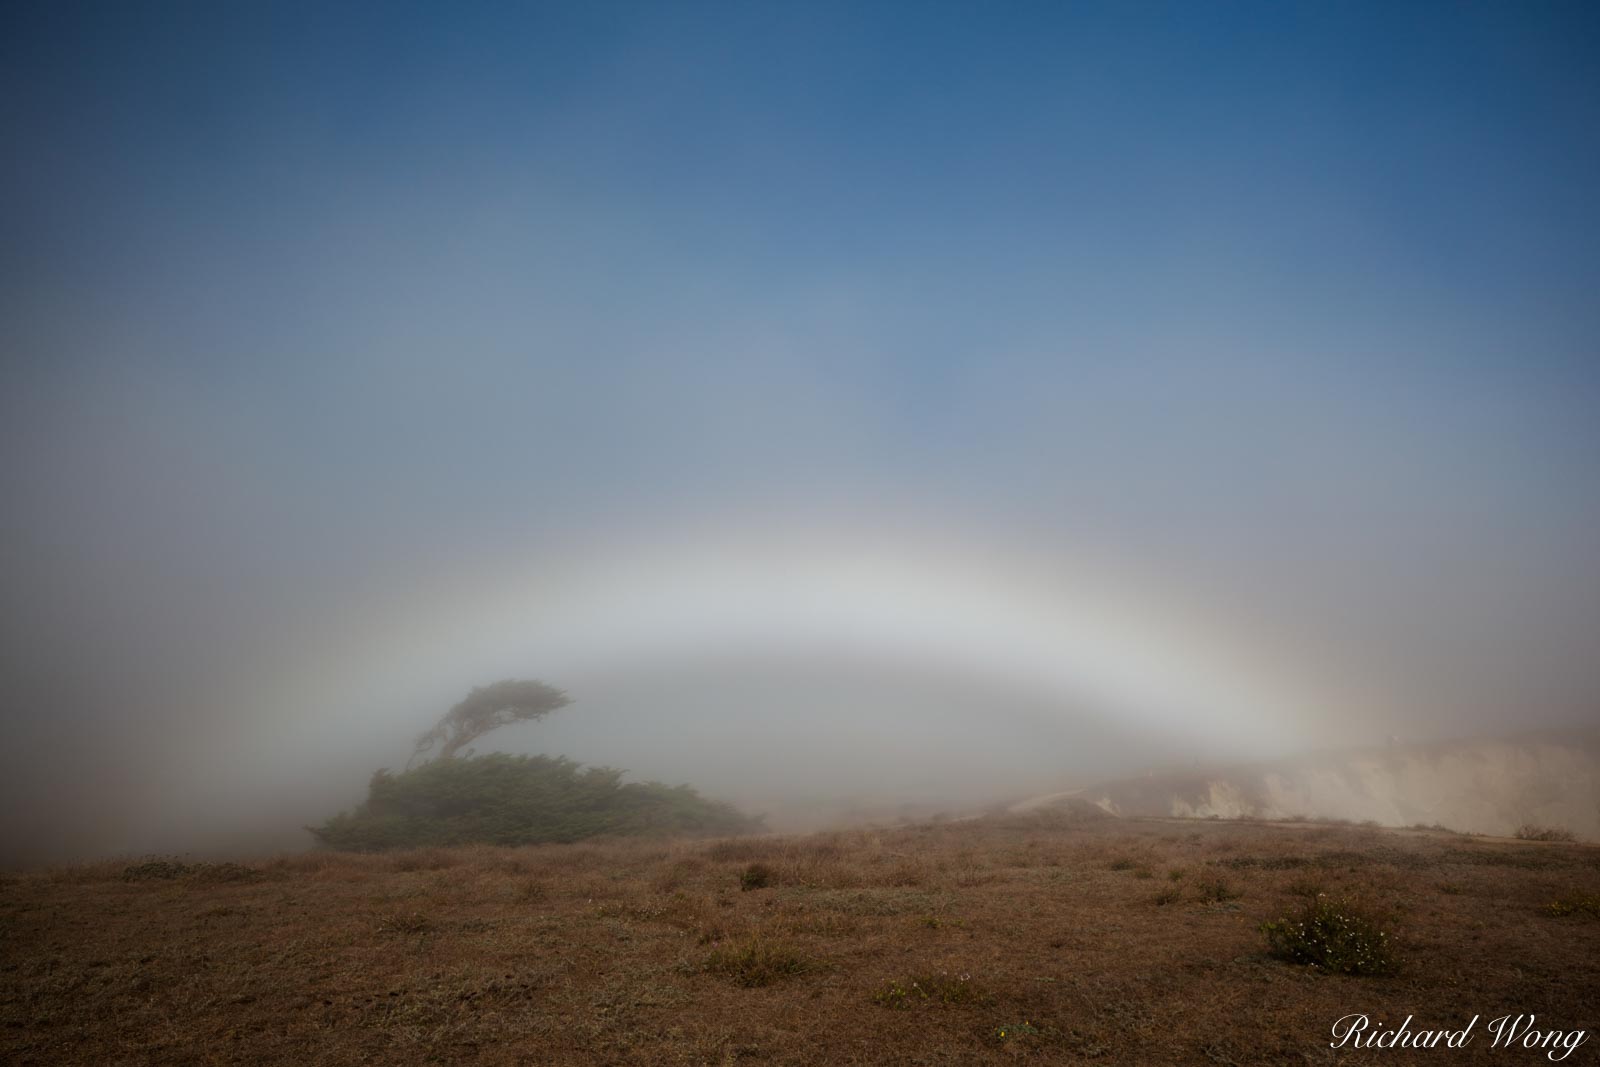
x=1170, y=895
x=1336, y=936
x=1530, y=832
x=758, y=962
x=756, y=876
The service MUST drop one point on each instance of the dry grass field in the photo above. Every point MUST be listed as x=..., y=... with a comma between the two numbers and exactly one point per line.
x=1045, y=938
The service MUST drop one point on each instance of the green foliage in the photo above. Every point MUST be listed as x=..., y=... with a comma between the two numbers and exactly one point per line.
x=1336, y=936
x=1016, y=1031
x=520, y=800
x=486, y=708
x=756, y=876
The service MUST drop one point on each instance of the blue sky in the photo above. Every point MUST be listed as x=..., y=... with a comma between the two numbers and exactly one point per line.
x=1284, y=311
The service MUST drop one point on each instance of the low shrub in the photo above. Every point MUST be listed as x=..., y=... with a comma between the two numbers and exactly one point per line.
x=520, y=800
x=1334, y=935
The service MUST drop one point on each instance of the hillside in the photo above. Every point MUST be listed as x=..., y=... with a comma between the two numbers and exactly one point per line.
x=1476, y=786
x=1047, y=938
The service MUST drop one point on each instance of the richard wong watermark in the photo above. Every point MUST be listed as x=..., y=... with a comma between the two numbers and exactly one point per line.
x=1508, y=1031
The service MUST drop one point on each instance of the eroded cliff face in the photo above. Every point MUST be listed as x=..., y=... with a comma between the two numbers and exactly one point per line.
x=1489, y=787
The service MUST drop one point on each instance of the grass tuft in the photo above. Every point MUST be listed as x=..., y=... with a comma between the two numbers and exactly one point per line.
x=757, y=962
x=405, y=923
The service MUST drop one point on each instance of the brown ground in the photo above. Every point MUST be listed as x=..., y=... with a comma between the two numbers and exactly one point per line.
x=1035, y=937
